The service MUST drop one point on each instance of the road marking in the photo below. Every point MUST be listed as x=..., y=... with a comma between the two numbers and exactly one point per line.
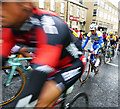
x=113, y=64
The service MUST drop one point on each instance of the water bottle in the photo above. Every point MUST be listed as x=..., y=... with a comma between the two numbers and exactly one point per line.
x=70, y=89
x=94, y=60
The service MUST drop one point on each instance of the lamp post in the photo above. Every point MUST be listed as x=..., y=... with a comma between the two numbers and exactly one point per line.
x=67, y=12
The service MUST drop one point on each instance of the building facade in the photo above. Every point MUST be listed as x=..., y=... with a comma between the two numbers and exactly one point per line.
x=71, y=11
x=103, y=13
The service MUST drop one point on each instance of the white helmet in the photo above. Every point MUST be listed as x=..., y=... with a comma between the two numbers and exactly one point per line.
x=93, y=27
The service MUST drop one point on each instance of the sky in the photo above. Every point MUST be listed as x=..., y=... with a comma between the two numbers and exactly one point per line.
x=115, y=2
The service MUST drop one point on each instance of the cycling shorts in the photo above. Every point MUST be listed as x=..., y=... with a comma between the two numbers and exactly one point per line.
x=66, y=77
x=96, y=48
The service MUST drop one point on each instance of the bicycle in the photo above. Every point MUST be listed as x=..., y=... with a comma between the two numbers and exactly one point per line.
x=90, y=66
x=118, y=50
x=13, y=74
x=16, y=66
x=109, y=53
x=61, y=103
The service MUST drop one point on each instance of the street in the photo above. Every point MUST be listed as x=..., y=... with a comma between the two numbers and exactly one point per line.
x=102, y=89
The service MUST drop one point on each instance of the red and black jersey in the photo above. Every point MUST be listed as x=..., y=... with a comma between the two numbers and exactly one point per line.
x=49, y=34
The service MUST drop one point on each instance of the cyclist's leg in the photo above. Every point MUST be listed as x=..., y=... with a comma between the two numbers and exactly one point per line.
x=60, y=82
x=49, y=94
x=92, y=49
x=96, y=49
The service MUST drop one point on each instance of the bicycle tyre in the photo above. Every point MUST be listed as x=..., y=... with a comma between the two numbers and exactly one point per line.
x=96, y=70
x=105, y=60
x=16, y=86
x=79, y=95
x=85, y=73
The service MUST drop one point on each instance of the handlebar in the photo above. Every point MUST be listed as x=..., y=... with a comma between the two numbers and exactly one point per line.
x=16, y=60
x=88, y=50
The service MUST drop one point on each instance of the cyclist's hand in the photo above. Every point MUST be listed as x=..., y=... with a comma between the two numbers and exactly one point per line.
x=94, y=52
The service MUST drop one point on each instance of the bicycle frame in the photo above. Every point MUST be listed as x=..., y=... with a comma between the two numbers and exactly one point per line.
x=89, y=59
x=60, y=103
x=14, y=63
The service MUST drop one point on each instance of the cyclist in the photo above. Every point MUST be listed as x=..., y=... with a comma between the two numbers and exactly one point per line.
x=56, y=55
x=104, y=37
x=97, y=39
x=111, y=41
x=117, y=39
x=80, y=36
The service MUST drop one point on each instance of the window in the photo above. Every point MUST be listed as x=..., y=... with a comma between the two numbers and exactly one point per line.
x=110, y=9
x=101, y=14
x=113, y=11
x=62, y=7
x=109, y=17
x=71, y=10
x=83, y=13
x=102, y=4
x=95, y=3
x=95, y=12
x=105, y=15
x=78, y=12
x=111, y=26
x=116, y=13
x=52, y=5
x=106, y=6
x=112, y=18
x=41, y=3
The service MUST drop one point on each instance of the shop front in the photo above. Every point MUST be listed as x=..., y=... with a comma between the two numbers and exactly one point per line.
x=74, y=22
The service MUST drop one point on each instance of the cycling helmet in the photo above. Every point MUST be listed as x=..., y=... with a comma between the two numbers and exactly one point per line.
x=111, y=33
x=93, y=27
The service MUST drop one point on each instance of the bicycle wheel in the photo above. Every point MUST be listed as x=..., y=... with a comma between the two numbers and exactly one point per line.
x=85, y=74
x=80, y=100
x=9, y=93
x=105, y=57
x=96, y=69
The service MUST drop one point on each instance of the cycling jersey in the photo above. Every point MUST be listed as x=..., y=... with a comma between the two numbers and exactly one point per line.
x=55, y=51
x=78, y=35
x=75, y=34
x=111, y=39
x=104, y=36
x=97, y=40
x=116, y=38
x=43, y=31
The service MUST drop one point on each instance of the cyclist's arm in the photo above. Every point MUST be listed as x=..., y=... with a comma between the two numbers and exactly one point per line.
x=108, y=37
x=100, y=41
x=85, y=43
x=6, y=45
